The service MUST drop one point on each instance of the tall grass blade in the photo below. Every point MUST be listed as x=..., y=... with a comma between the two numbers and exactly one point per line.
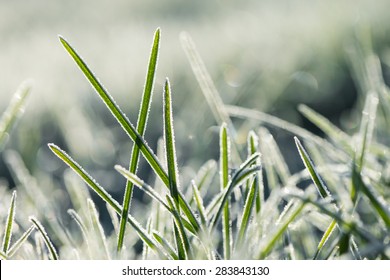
x=206, y=83
x=169, y=138
x=224, y=146
x=104, y=195
x=117, y=113
x=318, y=182
x=14, y=110
x=20, y=242
x=207, y=86
x=9, y=224
x=49, y=244
x=141, y=125
x=250, y=201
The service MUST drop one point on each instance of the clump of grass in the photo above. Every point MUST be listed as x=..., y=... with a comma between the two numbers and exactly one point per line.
x=255, y=209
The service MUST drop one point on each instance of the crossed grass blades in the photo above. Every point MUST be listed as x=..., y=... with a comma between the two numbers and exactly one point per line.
x=257, y=212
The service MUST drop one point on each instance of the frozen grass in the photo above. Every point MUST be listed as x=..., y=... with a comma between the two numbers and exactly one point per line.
x=337, y=207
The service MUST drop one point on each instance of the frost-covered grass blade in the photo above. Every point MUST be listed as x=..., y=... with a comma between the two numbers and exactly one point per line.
x=141, y=125
x=49, y=244
x=9, y=225
x=14, y=110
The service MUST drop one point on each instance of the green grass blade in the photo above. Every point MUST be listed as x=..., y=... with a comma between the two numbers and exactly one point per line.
x=20, y=242
x=169, y=138
x=325, y=238
x=9, y=224
x=252, y=196
x=280, y=229
x=141, y=125
x=49, y=244
x=199, y=203
x=165, y=244
x=117, y=113
x=14, y=110
x=104, y=195
x=243, y=173
x=318, y=182
x=224, y=146
x=183, y=243
x=253, y=147
x=376, y=200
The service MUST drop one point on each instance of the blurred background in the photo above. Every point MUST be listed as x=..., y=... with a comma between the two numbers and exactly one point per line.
x=265, y=55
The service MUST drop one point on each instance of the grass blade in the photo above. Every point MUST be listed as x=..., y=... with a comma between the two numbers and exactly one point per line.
x=199, y=203
x=49, y=244
x=240, y=175
x=145, y=248
x=20, y=242
x=338, y=136
x=224, y=180
x=165, y=244
x=76, y=217
x=117, y=113
x=206, y=83
x=367, y=127
x=253, y=193
x=141, y=125
x=104, y=195
x=183, y=242
x=325, y=238
x=9, y=225
x=280, y=229
x=377, y=201
x=207, y=86
x=169, y=138
x=98, y=229
x=318, y=182
x=14, y=110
